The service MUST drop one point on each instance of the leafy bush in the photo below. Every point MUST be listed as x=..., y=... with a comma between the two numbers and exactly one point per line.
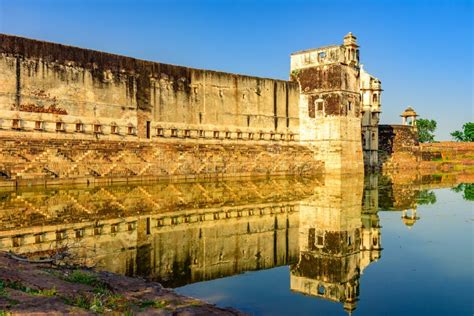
x=466, y=135
x=426, y=129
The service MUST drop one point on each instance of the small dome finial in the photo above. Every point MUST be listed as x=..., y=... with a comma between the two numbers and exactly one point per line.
x=350, y=39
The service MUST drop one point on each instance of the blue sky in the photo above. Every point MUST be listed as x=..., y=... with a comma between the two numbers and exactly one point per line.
x=421, y=50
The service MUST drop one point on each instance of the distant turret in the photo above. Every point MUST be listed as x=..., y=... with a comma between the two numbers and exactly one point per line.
x=352, y=52
x=409, y=116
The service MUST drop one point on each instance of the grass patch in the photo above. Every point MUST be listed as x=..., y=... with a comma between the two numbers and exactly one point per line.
x=79, y=301
x=3, y=290
x=4, y=294
x=101, y=300
x=81, y=277
x=153, y=304
x=99, y=303
x=16, y=285
x=78, y=276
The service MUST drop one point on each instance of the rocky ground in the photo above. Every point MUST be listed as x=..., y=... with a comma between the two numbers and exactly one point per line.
x=42, y=289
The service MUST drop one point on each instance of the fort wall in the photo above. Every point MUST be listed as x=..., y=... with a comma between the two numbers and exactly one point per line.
x=74, y=115
x=70, y=114
x=399, y=149
x=122, y=98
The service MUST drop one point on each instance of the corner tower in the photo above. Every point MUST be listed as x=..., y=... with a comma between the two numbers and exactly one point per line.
x=329, y=104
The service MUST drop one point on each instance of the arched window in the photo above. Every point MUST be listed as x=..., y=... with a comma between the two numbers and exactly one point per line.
x=79, y=127
x=39, y=125
x=160, y=131
x=131, y=129
x=16, y=123
x=60, y=126
x=374, y=98
x=321, y=289
x=97, y=128
x=114, y=128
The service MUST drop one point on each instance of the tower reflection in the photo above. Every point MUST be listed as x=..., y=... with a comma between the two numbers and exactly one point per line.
x=339, y=236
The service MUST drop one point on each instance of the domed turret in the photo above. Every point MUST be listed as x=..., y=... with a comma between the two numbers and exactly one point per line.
x=409, y=116
x=350, y=40
x=352, y=49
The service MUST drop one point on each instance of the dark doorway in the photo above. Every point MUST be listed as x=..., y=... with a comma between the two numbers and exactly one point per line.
x=148, y=127
x=148, y=226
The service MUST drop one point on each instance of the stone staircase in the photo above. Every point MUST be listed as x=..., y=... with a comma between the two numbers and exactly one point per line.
x=76, y=163
x=113, y=198
x=116, y=161
x=77, y=204
x=149, y=197
x=32, y=207
x=20, y=170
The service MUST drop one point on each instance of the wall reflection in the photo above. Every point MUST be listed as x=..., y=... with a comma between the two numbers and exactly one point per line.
x=173, y=233
x=326, y=229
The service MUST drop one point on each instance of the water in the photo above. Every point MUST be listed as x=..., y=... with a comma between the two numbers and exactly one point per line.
x=399, y=245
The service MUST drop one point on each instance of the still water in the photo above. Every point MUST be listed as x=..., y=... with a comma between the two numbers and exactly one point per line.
x=379, y=245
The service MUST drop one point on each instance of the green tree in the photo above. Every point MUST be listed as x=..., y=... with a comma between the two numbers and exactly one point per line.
x=426, y=197
x=469, y=192
x=466, y=135
x=426, y=129
x=467, y=189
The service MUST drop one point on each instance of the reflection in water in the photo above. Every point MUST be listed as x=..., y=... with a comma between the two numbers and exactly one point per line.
x=337, y=240
x=467, y=190
x=173, y=233
x=326, y=229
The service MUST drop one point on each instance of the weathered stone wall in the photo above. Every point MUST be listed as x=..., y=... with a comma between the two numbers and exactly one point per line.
x=399, y=149
x=69, y=114
x=396, y=145
x=394, y=138
x=64, y=95
x=448, y=151
x=51, y=83
x=40, y=161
